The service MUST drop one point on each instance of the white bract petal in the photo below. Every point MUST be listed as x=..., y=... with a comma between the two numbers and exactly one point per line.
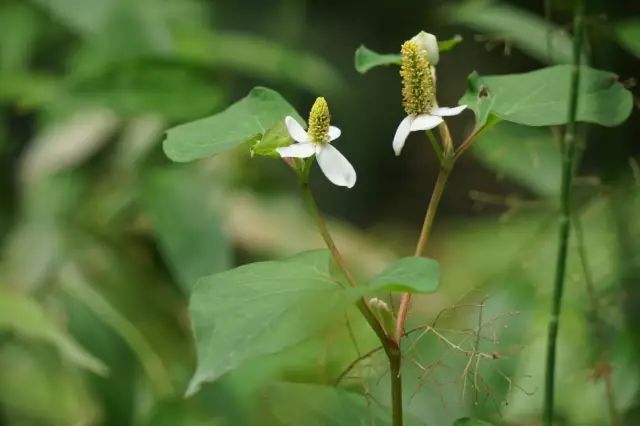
x=336, y=167
x=425, y=122
x=295, y=130
x=334, y=133
x=298, y=150
x=429, y=43
x=447, y=112
x=401, y=134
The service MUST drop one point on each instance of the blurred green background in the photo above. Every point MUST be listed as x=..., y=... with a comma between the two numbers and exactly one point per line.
x=101, y=237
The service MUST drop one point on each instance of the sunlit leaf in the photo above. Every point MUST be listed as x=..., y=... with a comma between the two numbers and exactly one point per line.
x=541, y=97
x=243, y=121
x=412, y=274
x=21, y=315
x=628, y=32
x=186, y=224
x=262, y=309
x=528, y=31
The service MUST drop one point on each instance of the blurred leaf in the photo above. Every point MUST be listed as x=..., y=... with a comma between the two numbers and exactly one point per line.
x=186, y=224
x=412, y=274
x=297, y=404
x=122, y=28
x=86, y=16
x=467, y=421
x=533, y=34
x=23, y=316
x=276, y=137
x=262, y=309
x=75, y=284
x=67, y=143
x=365, y=58
x=243, y=121
x=36, y=389
x=134, y=88
x=264, y=59
x=541, y=97
x=526, y=155
x=18, y=32
x=27, y=89
x=628, y=32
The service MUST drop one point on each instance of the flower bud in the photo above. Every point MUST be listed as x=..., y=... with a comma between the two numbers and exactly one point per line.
x=384, y=315
x=429, y=43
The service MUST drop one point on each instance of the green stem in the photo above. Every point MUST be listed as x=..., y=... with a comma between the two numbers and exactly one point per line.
x=425, y=232
x=391, y=349
x=568, y=159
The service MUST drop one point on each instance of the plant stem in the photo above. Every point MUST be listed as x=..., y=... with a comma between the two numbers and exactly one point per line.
x=391, y=348
x=432, y=208
x=568, y=157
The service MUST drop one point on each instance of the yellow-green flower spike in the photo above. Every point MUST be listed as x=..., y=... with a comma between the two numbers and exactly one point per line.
x=319, y=121
x=418, y=86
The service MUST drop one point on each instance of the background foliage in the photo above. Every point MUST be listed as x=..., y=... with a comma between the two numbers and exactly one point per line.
x=102, y=238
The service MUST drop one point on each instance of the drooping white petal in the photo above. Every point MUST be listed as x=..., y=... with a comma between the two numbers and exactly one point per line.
x=336, y=167
x=402, y=132
x=425, y=122
x=447, y=112
x=334, y=133
x=297, y=150
x=295, y=130
x=429, y=43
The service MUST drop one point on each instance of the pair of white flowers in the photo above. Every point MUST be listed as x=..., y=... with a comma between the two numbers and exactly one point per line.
x=419, y=55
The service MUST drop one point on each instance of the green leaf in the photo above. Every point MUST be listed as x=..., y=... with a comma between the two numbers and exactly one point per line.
x=297, y=404
x=74, y=282
x=243, y=121
x=23, y=316
x=628, y=32
x=541, y=97
x=468, y=421
x=449, y=44
x=261, y=59
x=412, y=274
x=262, y=309
x=526, y=155
x=186, y=224
x=276, y=137
x=531, y=33
x=365, y=58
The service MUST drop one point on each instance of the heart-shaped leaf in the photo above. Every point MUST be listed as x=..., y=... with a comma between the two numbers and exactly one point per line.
x=262, y=309
x=541, y=97
x=244, y=121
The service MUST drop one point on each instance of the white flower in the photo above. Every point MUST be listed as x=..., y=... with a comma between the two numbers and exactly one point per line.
x=429, y=43
x=332, y=163
x=413, y=123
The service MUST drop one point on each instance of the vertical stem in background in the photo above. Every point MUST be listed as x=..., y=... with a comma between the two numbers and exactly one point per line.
x=568, y=155
x=391, y=348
